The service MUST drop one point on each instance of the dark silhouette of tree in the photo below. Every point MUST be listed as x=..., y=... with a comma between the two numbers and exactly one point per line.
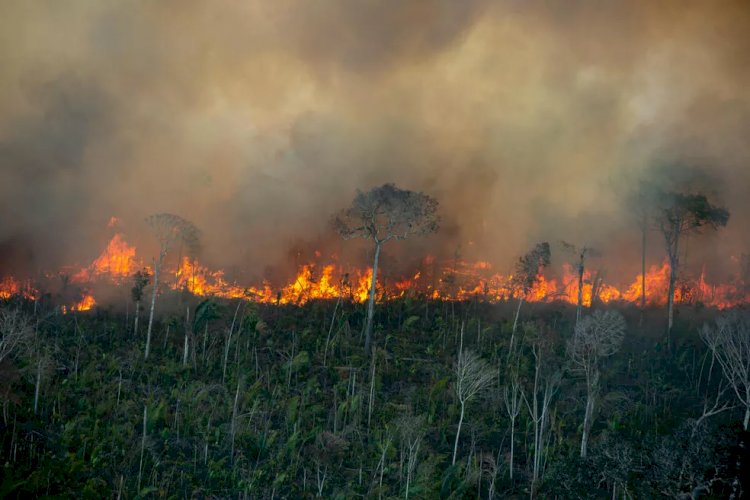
x=170, y=229
x=141, y=279
x=680, y=215
x=581, y=253
x=382, y=214
x=642, y=203
x=528, y=270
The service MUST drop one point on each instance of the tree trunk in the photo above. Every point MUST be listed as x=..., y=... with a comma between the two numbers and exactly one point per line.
x=153, y=303
x=579, y=307
x=515, y=325
x=39, y=383
x=185, y=351
x=458, y=433
x=229, y=343
x=670, y=293
x=512, y=446
x=371, y=303
x=643, y=270
x=747, y=417
x=587, y=421
x=674, y=261
x=137, y=313
x=143, y=447
x=372, y=391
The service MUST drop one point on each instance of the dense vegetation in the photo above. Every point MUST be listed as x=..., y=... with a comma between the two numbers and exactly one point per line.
x=280, y=402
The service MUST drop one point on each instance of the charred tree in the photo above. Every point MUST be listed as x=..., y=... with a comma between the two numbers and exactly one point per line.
x=680, y=215
x=581, y=253
x=382, y=214
x=141, y=279
x=528, y=270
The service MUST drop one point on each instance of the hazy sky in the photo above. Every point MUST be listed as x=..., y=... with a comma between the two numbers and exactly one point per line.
x=258, y=119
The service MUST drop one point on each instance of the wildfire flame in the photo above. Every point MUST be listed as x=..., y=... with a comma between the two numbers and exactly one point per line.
x=456, y=280
x=117, y=262
x=85, y=304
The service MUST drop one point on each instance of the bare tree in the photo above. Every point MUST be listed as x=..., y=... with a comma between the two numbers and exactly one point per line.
x=473, y=375
x=538, y=403
x=528, y=270
x=170, y=229
x=729, y=342
x=582, y=253
x=641, y=203
x=512, y=400
x=382, y=214
x=680, y=215
x=411, y=432
x=15, y=331
x=596, y=336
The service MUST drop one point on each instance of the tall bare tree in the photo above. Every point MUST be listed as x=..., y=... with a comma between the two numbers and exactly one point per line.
x=473, y=375
x=15, y=331
x=596, y=336
x=528, y=270
x=512, y=401
x=729, y=342
x=641, y=203
x=170, y=230
x=538, y=403
x=411, y=430
x=382, y=214
x=680, y=215
x=581, y=253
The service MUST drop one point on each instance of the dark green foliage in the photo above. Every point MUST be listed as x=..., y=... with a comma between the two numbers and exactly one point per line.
x=284, y=425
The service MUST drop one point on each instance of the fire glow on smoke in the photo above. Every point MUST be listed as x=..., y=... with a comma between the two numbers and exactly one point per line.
x=456, y=280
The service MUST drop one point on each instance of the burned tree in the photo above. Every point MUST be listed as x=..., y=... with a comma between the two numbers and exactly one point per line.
x=140, y=281
x=382, y=214
x=641, y=203
x=680, y=215
x=528, y=270
x=170, y=230
x=581, y=253
x=595, y=337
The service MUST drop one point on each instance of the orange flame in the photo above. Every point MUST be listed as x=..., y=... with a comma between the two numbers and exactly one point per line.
x=116, y=262
x=10, y=287
x=453, y=280
x=85, y=304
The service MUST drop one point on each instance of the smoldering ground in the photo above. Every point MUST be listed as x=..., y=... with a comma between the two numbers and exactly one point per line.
x=257, y=120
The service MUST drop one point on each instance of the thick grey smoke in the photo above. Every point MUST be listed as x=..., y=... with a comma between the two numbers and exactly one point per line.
x=257, y=120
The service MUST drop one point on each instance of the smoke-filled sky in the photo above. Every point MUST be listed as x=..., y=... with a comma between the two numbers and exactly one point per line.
x=259, y=119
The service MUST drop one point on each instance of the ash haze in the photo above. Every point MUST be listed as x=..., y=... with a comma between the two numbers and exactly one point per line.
x=257, y=120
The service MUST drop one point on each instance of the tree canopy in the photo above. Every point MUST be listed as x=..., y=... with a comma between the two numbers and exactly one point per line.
x=386, y=213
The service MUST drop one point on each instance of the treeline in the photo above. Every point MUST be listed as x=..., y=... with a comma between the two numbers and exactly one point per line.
x=242, y=400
